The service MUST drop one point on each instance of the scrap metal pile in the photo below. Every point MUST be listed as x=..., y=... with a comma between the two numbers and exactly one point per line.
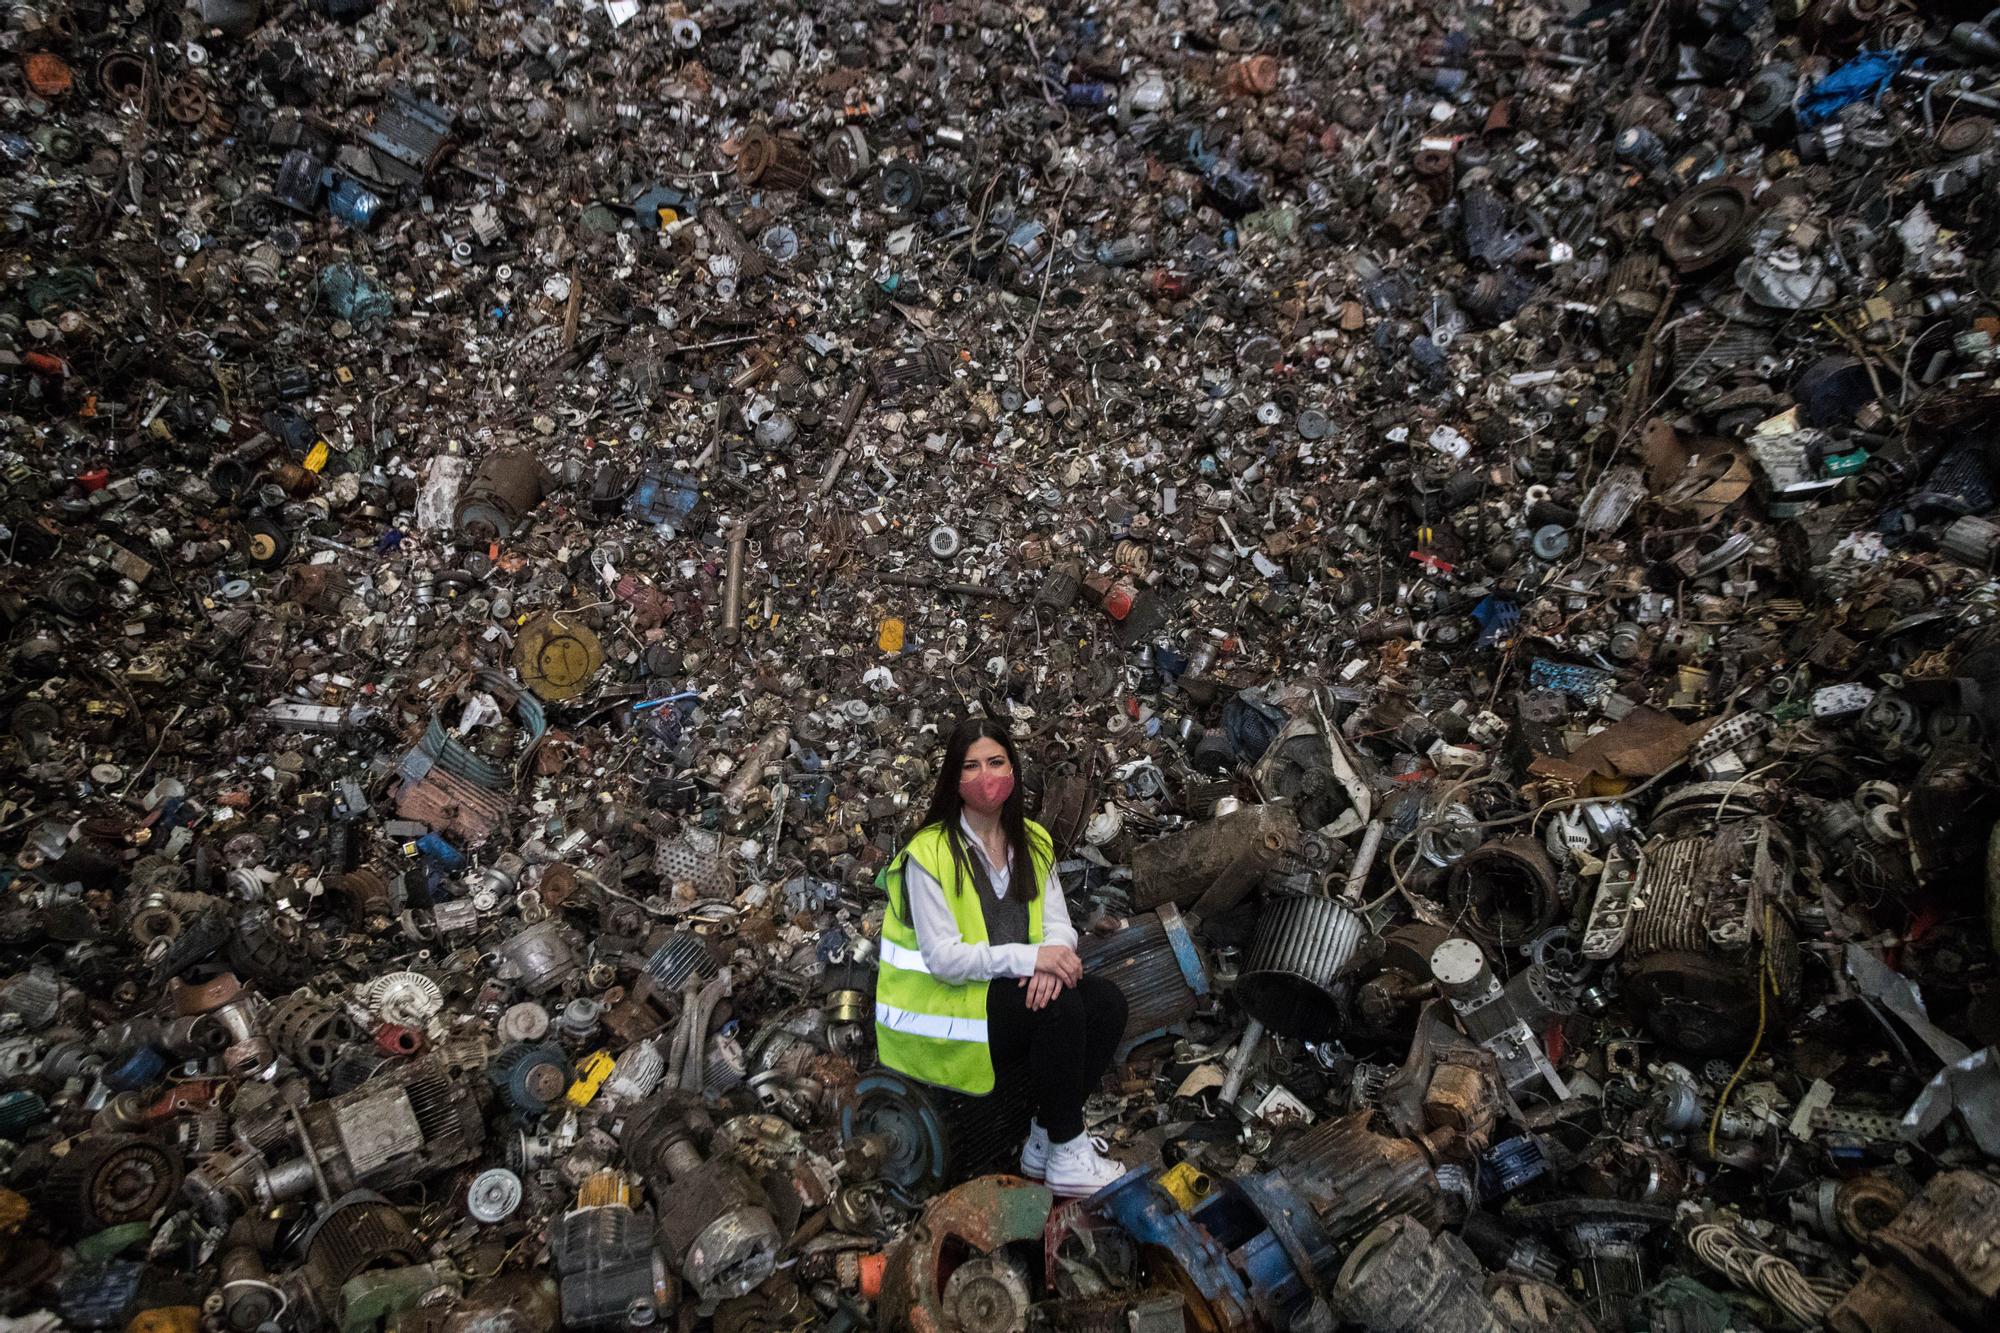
x=1482, y=519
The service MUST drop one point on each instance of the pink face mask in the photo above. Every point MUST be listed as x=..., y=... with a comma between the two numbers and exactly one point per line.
x=987, y=792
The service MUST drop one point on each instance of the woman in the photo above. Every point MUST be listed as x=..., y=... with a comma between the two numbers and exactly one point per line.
x=980, y=983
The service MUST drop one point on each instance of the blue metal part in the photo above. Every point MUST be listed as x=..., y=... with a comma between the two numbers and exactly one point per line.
x=888, y=1104
x=815, y=791
x=352, y=202
x=1142, y=1207
x=1274, y=1280
x=100, y=1295
x=440, y=749
x=1512, y=1164
x=1293, y=1256
x=668, y=498
x=19, y=1110
x=134, y=1070
x=352, y=297
x=301, y=177
x=648, y=206
x=1184, y=951
x=1586, y=684
x=646, y=704
x=437, y=849
x=1496, y=617
x=1262, y=1249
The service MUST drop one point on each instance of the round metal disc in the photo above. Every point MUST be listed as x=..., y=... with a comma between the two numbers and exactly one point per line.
x=1456, y=962
x=493, y=1195
x=986, y=1295
x=557, y=657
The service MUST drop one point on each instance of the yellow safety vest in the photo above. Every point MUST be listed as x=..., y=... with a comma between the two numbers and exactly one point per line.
x=924, y=1027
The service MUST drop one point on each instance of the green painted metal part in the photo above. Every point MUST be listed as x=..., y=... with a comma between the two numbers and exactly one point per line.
x=369, y=1299
x=978, y=1217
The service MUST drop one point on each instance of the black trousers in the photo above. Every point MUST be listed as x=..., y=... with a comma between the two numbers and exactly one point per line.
x=1062, y=1049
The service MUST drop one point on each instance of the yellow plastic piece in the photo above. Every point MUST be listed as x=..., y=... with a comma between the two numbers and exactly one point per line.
x=1188, y=1185
x=590, y=1075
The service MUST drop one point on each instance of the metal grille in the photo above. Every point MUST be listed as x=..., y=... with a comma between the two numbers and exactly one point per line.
x=695, y=859
x=724, y=1068
x=1302, y=945
x=1706, y=347
x=363, y=1231
x=680, y=960
x=1356, y=1178
x=433, y=1101
x=599, y=1237
x=411, y=136
x=1668, y=914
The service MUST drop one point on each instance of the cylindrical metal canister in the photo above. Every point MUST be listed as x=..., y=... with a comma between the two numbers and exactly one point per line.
x=507, y=486
x=1302, y=946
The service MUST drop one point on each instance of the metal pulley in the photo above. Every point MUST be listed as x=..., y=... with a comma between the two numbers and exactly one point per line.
x=847, y=154
x=493, y=1195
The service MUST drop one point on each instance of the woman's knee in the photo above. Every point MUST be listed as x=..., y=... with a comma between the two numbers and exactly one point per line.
x=1066, y=1007
x=1103, y=1001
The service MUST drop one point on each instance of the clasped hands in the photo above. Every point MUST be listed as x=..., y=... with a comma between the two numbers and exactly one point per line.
x=1056, y=966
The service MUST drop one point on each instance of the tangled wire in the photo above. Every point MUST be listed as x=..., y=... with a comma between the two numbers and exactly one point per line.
x=1753, y=1268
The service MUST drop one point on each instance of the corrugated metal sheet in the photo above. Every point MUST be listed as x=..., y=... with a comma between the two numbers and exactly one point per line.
x=439, y=749
x=450, y=804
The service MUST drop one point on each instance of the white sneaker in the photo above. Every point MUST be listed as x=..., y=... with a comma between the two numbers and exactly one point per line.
x=1079, y=1167
x=1035, y=1152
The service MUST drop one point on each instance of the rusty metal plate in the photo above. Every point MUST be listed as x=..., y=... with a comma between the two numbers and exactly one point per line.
x=450, y=803
x=978, y=1217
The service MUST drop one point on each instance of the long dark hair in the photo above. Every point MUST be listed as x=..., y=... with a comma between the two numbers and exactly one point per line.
x=946, y=805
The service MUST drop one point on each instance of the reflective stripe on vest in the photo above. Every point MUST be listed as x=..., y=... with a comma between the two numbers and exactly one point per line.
x=930, y=1025
x=926, y=1028
x=910, y=960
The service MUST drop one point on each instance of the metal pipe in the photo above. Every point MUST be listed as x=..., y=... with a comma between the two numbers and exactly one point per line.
x=1364, y=861
x=677, y=1049
x=832, y=475
x=732, y=585
x=1239, y=1062
x=902, y=580
x=850, y=426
